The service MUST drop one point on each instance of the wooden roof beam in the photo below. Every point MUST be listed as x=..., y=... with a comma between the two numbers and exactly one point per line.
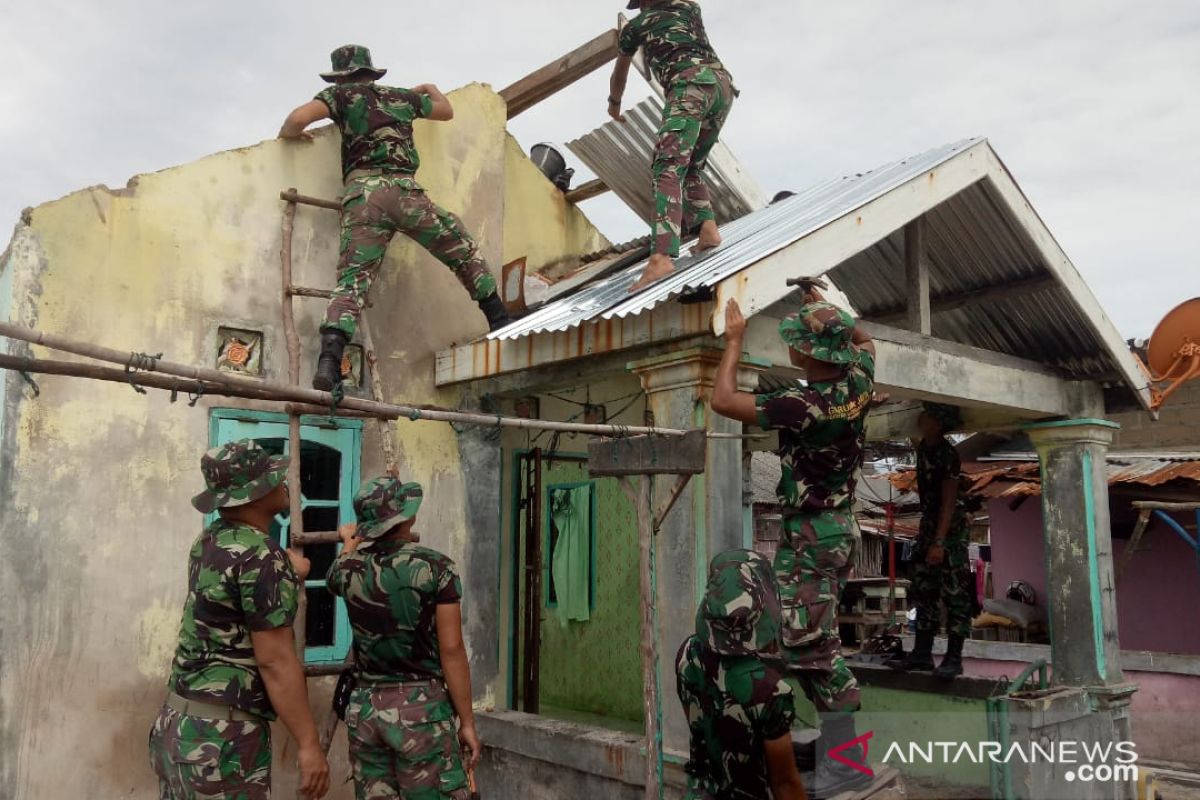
x=561, y=73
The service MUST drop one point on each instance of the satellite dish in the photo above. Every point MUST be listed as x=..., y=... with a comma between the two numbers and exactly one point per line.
x=1173, y=353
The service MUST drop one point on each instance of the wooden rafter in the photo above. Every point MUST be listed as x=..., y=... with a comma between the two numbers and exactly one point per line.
x=559, y=74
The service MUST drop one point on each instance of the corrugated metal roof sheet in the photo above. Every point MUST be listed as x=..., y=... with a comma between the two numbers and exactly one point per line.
x=620, y=154
x=746, y=241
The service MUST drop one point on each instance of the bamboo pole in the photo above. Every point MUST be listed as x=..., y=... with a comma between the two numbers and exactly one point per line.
x=295, y=497
x=384, y=426
x=649, y=640
x=280, y=392
x=292, y=197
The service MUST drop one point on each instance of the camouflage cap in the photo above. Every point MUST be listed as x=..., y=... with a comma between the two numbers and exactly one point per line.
x=949, y=417
x=349, y=59
x=822, y=331
x=383, y=503
x=740, y=614
x=238, y=473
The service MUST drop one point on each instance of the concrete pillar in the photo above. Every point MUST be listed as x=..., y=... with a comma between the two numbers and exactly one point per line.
x=707, y=517
x=1082, y=595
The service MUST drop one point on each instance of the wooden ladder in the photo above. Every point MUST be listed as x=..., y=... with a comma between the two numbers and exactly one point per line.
x=298, y=537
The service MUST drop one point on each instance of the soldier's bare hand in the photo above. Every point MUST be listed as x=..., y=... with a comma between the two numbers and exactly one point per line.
x=314, y=772
x=935, y=556
x=468, y=737
x=735, y=322
x=300, y=564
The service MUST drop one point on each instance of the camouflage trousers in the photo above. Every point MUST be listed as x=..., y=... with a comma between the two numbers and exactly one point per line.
x=404, y=743
x=812, y=565
x=692, y=122
x=374, y=209
x=949, y=583
x=210, y=759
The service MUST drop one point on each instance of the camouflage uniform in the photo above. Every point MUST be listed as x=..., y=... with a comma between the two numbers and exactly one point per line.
x=401, y=723
x=699, y=95
x=239, y=580
x=822, y=431
x=949, y=582
x=734, y=694
x=382, y=197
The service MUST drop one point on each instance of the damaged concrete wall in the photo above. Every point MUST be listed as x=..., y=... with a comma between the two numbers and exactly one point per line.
x=95, y=479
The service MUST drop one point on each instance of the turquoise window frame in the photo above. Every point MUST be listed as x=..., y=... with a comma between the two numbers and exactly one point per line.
x=548, y=554
x=342, y=435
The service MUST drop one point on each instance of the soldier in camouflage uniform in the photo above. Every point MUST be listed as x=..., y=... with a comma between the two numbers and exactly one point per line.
x=700, y=95
x=739, y=707
x=822, y=433
x=941, y=571
x=382, y=196
x=236, y=667
x=410, y=662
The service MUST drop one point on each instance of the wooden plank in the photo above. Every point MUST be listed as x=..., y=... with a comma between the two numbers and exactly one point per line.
x=559, y=74
x=1143, y=522
x=648, y=455
x=586, y=191
x=916, y=271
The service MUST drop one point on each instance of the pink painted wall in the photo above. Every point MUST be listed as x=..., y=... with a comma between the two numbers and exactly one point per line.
x=1164, y=712
x=1158, y=598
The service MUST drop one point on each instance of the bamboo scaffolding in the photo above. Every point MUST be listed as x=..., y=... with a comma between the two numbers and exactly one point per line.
x=265, y=390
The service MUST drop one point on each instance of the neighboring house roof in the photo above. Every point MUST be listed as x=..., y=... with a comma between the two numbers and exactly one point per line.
x=1021, y=476
x=999, y=280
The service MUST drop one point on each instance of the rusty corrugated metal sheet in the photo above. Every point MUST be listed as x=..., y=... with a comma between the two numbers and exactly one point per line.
x=1015, y=479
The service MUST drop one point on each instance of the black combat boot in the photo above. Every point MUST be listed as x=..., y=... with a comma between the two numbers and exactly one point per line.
x=951, y=666
x=329, y=363
x=832, y=777
x=919, y=659
x=493, y=308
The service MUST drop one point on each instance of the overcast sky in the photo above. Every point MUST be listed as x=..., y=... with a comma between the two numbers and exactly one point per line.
x=1091, y=103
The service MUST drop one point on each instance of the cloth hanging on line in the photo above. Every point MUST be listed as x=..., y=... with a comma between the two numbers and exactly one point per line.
x=571, y=564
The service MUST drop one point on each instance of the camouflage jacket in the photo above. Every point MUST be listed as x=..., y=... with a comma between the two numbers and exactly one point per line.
x=239, y=580
x=936, y=463
x=377, y=125
x=392, y=590
x=676, y=45
x=822, y=431
x=734, y=705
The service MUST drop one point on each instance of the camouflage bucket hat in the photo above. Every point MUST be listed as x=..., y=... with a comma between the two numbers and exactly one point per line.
x=238, y=473
x=948, y=417
x=740, y=614
x=349, y=59
x=822, y=331
x=383, y=503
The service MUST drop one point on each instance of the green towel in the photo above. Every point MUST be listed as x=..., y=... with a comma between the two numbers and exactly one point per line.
x=571, y=562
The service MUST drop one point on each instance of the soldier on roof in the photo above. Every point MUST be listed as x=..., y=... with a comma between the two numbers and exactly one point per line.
x=382, y=196
x=700, y=94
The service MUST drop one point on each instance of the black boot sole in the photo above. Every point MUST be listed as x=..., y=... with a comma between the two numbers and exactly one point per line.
x=849, y=785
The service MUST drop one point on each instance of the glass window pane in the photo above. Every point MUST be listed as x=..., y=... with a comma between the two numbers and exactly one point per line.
x=319, y=617
x=319, y=520
x=322, y=556
x=320, y=471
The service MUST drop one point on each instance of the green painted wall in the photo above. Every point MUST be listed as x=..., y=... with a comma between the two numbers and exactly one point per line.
x=593, y=666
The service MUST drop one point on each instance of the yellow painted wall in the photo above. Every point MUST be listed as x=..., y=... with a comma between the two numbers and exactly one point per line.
x=95, y=480
x=538, y=223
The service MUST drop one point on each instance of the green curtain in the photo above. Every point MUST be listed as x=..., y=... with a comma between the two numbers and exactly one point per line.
x=571, y=562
